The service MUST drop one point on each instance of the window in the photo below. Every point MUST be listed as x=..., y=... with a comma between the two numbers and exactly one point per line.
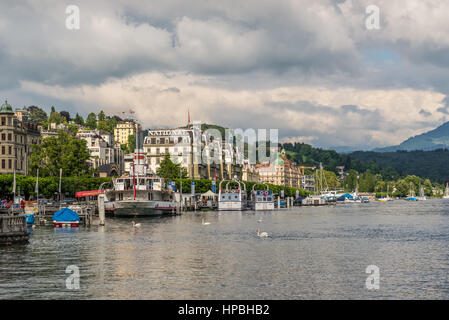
x=3, y=121
x=153, y=140
x=10, y=164
x=3, y=136
x=9, y=136
x=10, y=150
x=3, y=163
x=3, y=150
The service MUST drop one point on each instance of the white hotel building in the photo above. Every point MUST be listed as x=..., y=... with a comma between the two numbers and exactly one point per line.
x=185, y=147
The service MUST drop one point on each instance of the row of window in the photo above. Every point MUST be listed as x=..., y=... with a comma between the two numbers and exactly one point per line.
x=10, y=164
x=4, y=121
x=8, y=137
x=168, y=140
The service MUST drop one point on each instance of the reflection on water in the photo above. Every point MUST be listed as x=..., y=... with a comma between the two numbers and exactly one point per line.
x=313, y=253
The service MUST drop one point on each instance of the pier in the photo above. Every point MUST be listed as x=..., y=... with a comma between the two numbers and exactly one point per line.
x=13, y=229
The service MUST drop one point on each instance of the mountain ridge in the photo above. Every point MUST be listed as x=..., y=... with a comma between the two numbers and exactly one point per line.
x=435, y=139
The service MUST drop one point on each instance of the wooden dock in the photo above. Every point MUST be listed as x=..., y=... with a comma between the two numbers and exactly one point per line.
x=13, y=229
x=85, y=211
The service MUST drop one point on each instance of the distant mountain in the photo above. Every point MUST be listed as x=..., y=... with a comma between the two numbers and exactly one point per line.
x=431, y=140
x=348, y=149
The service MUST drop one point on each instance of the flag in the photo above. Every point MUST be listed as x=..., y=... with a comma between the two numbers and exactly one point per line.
x=14, y=183
x=36, y=188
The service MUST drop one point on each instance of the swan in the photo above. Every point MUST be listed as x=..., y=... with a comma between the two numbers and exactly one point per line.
x=262, y=235
x=136, y=225
x=205, y=223
x=260, y=220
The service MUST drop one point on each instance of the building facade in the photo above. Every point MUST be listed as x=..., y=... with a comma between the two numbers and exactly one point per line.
x=250, y=172
x=17, y=136
x=193, y=151
x=103, y=149
x=125, y=129
x=281, y=172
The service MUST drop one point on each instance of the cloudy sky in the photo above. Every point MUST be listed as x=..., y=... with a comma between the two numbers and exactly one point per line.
x=312, y=69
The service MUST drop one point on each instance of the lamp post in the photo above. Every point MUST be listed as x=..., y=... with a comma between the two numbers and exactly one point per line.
x=180, y=189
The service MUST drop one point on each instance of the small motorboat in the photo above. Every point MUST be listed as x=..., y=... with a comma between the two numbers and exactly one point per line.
x=66, y=218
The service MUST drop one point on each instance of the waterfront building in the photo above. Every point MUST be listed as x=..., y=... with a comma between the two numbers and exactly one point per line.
x=124, y=129
x=103, y=150
x=17, y=136
x=194, y=151
x=281, y=172
x=250, y=172
x=308, y=182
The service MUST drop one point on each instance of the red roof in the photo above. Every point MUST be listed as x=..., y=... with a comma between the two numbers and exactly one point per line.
x=87, y=193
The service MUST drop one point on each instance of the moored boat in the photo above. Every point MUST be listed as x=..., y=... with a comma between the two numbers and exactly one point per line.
x=232, y=199
x=66, y=218
x=262, y=199
x=140, y=193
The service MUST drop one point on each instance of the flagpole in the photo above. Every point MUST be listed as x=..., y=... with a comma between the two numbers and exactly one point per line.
x=60, y=189
x=37, y=188
x=180, y=190
x=14, y=191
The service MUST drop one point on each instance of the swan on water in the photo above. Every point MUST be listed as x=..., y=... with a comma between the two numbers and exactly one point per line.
x=136, y=225
x=205, y=223
x=262, y=234
x=260, y=220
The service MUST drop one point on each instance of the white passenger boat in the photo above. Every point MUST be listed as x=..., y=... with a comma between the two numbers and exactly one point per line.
x=141, y=193
x=262, y=200
x=232, y=199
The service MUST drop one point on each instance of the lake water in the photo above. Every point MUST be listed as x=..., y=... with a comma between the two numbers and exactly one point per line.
x=313, y=253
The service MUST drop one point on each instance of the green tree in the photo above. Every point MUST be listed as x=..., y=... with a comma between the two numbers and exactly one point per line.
x=91, y=121
x=402, y=188
x=350, y=180
x=170, y=170
x=79, y=120
x=37, y=115
x=63, y=151
x=428, y=189
x=131, y=143
x=101, y=116
x=56, y=117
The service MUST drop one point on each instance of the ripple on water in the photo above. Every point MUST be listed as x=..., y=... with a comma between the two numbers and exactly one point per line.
x=313, y=253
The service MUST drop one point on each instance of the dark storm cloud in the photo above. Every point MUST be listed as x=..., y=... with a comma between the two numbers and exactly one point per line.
x=234, y=45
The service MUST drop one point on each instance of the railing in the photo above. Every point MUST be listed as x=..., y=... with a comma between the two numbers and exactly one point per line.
x=12, y=224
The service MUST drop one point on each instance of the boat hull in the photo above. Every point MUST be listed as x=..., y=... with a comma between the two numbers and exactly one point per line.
x=231, y=206
x=66, y=224
x=135, y=208
x=263, y=206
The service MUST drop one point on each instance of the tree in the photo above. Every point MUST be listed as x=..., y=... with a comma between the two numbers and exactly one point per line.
x=131, y=143
x=101, y=116
x=428, y=189
x=37, y=115
x=66, y=115
x=56, y=117
x=91, y=121
x=63, y=151
x=170, y=170
x=79, y=120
